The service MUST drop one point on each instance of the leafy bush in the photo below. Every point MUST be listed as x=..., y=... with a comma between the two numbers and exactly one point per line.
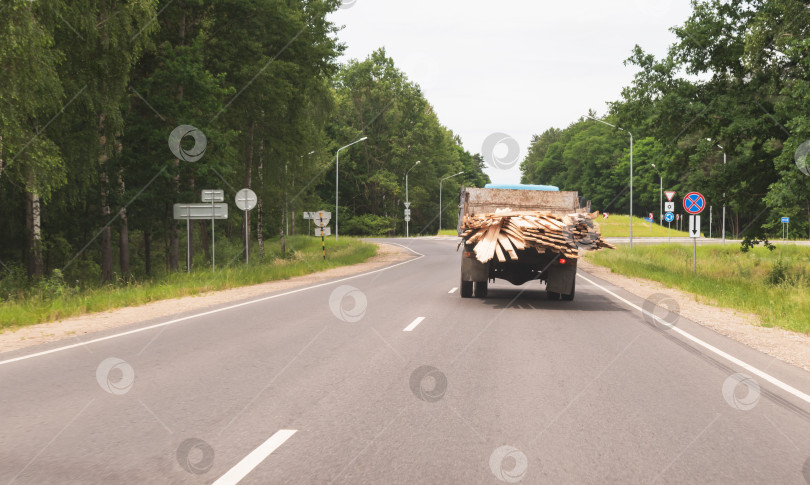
x=54, y=286
x=369, y=225
x=778, y=273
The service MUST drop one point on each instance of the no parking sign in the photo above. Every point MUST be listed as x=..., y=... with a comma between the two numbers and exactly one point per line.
x=694, y=203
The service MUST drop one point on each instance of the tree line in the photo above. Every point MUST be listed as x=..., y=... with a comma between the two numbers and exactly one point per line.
x=735, y=82
x=92, y=89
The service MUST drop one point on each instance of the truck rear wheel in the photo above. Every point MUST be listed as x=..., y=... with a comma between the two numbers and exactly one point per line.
x=466, y=289
x=481, y=289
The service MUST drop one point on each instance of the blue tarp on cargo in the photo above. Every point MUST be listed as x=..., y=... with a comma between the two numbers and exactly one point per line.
x=546, y=188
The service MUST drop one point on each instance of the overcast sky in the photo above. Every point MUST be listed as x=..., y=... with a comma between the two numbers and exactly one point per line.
x=516, y=67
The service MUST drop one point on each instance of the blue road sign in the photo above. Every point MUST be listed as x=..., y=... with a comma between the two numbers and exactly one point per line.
x=669, y=217
x=694, y=203
x=785, y=220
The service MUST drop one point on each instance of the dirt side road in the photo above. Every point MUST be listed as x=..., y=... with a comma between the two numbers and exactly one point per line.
x=13, y=339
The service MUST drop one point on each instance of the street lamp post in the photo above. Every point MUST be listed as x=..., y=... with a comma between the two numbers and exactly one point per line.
x=407, y=200
x=631, y=172
x=440, y=196
x=660, y=196
x=724, y=194
x=337, y=171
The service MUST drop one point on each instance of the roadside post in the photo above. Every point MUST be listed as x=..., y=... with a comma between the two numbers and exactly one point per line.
x=212, y=196
x=323, y=237
x=785, y=227
x=322, y=228
x=203, y=211
x=669, y=217
x=694, y=203
x=246, y=200
x=407, y=218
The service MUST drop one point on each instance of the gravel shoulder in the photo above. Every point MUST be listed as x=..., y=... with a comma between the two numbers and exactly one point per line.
x=14, y=339
x=746, y=328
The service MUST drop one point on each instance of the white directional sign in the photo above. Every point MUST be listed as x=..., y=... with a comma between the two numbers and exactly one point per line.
x=407, y=205
x=209, y=195
x=317, y=215
x=407, y=218
x=694, y=226
x=200, y=211
x=407, y=212
x=669, y=206
x=323, y=232
x=246, y=199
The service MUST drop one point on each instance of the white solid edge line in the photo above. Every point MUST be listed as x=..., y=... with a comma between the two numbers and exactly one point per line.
x=248, y=463
x=413, y=324
x=218, y=310
x=773, y=380
x=453, y=290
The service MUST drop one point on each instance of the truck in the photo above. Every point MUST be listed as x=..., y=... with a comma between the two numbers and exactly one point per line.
x=557, y=271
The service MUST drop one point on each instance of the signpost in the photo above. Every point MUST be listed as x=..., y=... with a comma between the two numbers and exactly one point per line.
x=246, y=200
x=669, y=206
x=212, y=196
x=322, y=221
x=194, y=212
x=785, y=227
x=694, y=203
x=669, y=217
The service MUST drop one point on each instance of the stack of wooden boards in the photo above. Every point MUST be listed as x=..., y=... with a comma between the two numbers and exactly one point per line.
x=502, y=234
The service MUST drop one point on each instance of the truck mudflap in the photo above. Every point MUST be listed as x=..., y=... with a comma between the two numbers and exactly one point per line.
x=562, y=277
x=474, y=270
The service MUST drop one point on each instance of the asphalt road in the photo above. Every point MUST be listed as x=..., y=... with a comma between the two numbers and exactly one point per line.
x=342, y=383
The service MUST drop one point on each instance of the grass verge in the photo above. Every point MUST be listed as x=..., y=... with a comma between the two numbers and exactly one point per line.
x=771, y=284
x=619, y=226
x=55, y=301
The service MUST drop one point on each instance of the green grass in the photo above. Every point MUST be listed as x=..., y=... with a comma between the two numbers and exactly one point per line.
x=448, y=232
x=775, y=285
x=619, y=226
x=53, y=300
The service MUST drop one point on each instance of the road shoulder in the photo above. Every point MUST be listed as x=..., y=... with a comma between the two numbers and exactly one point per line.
x=19, y=338
x=790, y=347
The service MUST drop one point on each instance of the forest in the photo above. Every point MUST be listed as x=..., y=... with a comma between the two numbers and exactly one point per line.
x=726, y=113
x=92, y=90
